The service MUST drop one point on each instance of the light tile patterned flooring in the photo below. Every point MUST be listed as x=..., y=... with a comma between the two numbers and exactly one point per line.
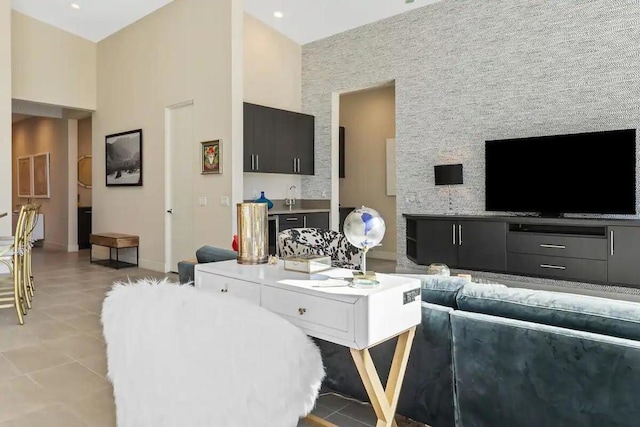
x=53, y=369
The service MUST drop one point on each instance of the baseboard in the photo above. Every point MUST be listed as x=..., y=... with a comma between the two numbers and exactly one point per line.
x=385, y=255
x=73, y=248
x=152, y=265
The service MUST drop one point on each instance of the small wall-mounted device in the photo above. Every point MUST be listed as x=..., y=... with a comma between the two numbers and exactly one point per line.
x=448, y=174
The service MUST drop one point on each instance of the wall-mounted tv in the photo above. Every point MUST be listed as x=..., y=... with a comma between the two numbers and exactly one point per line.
x=552, y=175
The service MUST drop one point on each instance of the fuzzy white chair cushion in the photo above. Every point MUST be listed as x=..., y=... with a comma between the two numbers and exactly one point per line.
x=179, y=357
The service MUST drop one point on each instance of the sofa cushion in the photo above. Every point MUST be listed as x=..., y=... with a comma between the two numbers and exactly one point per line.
x=579, y=312
x=214, y=254
x=441, y=290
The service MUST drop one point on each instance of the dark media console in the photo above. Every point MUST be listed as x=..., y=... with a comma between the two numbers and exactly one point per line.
x=587, y=250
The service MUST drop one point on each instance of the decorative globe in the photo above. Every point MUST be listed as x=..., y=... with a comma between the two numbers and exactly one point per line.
x=364, y=228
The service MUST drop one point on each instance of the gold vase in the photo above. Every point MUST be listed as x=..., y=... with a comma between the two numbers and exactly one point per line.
x=253, y=233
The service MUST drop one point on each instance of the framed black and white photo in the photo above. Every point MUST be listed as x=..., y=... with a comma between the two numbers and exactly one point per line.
x=124, y=158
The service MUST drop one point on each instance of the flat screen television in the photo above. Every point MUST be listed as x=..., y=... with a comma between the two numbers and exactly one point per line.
x=552, y=175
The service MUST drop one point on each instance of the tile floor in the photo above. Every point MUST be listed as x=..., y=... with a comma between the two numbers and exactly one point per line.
x=53, y=369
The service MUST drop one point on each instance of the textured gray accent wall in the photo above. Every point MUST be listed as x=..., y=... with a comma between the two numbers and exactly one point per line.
x=470, y=71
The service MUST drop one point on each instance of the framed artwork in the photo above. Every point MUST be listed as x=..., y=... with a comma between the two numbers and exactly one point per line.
x=41, y=187
x=211, y=157
x=124, y=159
x=25, y=172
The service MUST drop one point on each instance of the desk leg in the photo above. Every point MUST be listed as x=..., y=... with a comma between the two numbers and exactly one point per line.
x=385, y=400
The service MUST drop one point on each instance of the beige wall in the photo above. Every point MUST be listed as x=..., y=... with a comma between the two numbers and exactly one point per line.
x=5, y=116
x=272, y=77
x=369, y=119
x=85, y=145
x=180, y=52
x=50, y=65
x=41, y=135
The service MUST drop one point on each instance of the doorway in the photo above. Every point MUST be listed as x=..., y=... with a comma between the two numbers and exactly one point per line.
x=180, y=162
x=366, y=163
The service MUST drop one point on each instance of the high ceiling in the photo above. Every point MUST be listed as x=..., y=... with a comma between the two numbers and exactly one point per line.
x=303, y=20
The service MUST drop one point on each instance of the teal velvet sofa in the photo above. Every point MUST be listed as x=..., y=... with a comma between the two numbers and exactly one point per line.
x=204, y=254
x=487, y=355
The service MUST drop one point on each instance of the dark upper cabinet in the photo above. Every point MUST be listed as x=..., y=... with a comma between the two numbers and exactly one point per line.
x=341, y=152
x=624, y=247
x=278, y=141
x=482, y=245
x=305, y=143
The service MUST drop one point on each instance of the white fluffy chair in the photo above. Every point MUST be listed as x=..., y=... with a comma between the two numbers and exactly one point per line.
x=181, y=357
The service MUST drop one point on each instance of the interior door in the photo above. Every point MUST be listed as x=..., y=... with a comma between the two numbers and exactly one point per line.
x=182, y=163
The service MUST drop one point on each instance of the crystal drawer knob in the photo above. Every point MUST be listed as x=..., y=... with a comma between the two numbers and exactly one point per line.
x=302, y=311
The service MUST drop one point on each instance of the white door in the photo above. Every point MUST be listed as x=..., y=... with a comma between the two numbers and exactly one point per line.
x=181, y=153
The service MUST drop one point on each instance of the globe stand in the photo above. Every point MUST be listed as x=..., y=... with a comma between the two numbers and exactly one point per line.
x=364, y=277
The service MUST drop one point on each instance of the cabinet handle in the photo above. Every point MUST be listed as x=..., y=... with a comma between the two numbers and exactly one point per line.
x=298, y=164
x=454, y=233
x=257, y=162
x=292, y=219
x=612, y=247
x=302, y=311
x=294, y=165
x=224, y=290
x=460, y=235
x=553, y=267
x=544, y=245
x=253, y=164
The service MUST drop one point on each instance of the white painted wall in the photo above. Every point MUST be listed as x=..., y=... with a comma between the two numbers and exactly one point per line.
x=5, y=116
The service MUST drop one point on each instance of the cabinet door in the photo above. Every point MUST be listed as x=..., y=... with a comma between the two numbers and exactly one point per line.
x=285, y=139
x=248, y=157
x=482, y=245
x=437, y=242
x=305, y=135
x=288, y=221
x=624, y=247
x=317, y=220
x=264, y=138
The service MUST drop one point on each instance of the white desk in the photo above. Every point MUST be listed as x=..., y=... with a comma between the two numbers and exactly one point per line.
x=352, y=317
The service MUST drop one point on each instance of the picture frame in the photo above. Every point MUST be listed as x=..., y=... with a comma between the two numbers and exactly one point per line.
x=123, y=159
x=25, y=174
x=211, y=157
x=40, y=178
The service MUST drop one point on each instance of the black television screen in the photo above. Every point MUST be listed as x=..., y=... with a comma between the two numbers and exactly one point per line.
x=578, y=173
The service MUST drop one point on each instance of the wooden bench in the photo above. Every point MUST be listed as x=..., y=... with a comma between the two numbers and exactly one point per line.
x=115, y=241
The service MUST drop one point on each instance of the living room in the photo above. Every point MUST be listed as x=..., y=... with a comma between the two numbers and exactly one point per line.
x=464, y=73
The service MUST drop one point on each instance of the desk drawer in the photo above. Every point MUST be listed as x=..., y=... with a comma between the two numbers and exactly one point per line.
x=557, y=267
x=227, y=286
x=559, y=246
x=310, y=312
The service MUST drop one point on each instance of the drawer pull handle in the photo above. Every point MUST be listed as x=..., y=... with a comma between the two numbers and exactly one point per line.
x=292, y=219
x=302, y=311
x=553, y=267
x=553, y=246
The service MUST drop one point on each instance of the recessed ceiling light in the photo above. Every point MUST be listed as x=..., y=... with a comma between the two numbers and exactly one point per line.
x=278, y=14
x=75, y=5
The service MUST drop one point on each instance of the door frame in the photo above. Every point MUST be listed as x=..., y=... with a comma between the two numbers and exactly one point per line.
x=168, y=175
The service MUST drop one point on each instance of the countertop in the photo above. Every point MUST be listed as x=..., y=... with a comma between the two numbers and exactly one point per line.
x=281, y=211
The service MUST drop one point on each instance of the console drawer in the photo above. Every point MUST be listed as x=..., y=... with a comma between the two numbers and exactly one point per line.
x=311, y=313
x=557, y=267
x=559, y=246
x=227, y=286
